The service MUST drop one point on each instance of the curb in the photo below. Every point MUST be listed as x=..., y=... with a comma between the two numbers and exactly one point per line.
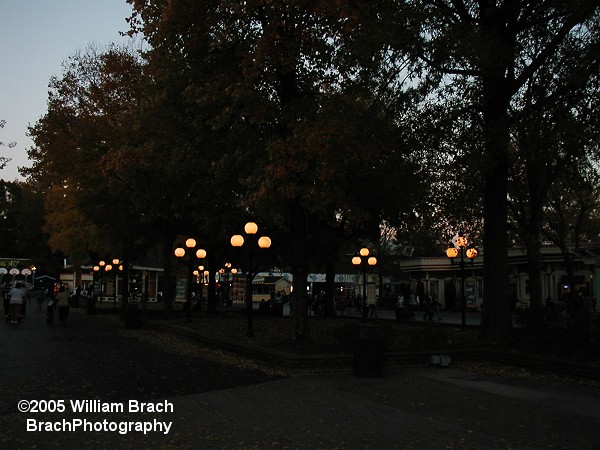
x=342, y=363
x=296, y=364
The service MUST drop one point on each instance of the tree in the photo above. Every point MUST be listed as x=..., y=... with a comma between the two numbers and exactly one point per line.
x=573, y=213
x=271, y=79
x=192, y=155
x=4, y=160
x=491, y=50
x=77, y=156
x=21, y=235
x=9, y=201
x=554, y=131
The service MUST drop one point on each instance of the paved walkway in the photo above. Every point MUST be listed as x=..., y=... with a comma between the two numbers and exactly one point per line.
x=219, y=401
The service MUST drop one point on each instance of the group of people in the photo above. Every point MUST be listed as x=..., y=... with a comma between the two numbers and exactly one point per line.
x=60, y=301
x=15, y=302
x=430, y=306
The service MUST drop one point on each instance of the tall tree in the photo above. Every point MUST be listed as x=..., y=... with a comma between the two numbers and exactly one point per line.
x=21, y=225
x=572, y=214
x=268, y=77
x=76, y=155
x=187, y=143
x=554, y=128
x=492, y=49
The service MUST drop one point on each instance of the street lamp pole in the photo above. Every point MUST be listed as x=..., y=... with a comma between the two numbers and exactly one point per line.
x=180, y=252
x=461, y=246
x=91, y=302
x=100, y=269
x=363, y=261
x=103, y=267
x=107, y=269
x=225, y=278
x=116, y=264
x=264, y=242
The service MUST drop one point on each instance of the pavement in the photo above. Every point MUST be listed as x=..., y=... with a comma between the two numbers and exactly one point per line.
x=198, y=398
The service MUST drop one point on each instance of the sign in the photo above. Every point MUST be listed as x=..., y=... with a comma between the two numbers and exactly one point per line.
x=470, y=292
x=238, y=289
x=180, y=290
x=8, y=262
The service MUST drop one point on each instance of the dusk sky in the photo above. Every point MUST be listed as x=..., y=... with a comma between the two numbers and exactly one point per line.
x=36, y=37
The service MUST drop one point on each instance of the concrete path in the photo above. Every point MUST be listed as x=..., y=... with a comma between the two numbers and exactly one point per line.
x=213, y=400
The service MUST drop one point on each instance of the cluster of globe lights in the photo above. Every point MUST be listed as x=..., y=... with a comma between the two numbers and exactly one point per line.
x=107, y=267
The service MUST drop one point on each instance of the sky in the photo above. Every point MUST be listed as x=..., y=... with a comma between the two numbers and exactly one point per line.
x=36, y=37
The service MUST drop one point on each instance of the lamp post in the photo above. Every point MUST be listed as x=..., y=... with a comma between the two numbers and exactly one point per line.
x=225, y=277
x=201, y=276
x=264, y=242
x=190, y=244
x=460, y=246
x=99, y=268
x=363, y=260
x=116, y=264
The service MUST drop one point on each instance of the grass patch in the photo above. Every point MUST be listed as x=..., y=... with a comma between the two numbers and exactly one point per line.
x=327, y=336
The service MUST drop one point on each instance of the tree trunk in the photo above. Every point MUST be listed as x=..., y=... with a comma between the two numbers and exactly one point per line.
x=299, y=270
x=570, y=269
x=211, y=299
x=496, y=62
x=535, y=285
x=329, y=290
x=168, y=285
x=496, y=322
x=534, y=264
x=125, y=278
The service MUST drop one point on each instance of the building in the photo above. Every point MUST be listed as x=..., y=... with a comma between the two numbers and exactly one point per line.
x=264, y=287
x=109, y=285
x=436, y=276
x=441, y=278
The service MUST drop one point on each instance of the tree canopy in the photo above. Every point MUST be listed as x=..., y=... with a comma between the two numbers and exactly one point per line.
x=323, y=121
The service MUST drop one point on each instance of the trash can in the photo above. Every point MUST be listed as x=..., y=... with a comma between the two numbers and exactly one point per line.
x=369, y=346
x=91, y=305
x=277, y=309
x=132, y=316
x=402, y=313
x=74, y=301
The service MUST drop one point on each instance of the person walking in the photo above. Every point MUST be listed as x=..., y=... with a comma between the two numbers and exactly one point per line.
x=51, y=306
x=62, y=303
x=428, y=307
x=412, y=306
x=17, y=296
x=5, y=302
x=40, y=296
x=358, y=305
x=436, y=307
x=372, y=307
